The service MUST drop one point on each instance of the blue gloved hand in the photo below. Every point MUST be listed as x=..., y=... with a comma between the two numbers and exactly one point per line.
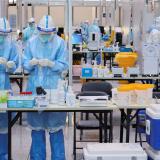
x=11, y=64
x=34, y=62
x=3, y=61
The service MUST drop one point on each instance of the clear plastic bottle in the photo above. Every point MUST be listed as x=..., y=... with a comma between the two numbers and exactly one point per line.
x=95, y=69
x=100, y=72
x=70, y=97
x=61, y=92
x=61, y=96
x=106, y=71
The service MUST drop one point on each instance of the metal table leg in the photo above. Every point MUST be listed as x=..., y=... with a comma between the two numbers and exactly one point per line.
x=21, y=90
x=74, y=136
x=111, y=128
x=101, y=128
x=105, y=63
x=110, y=57
x=105, y=128
x=128, y=121
x=121, y=125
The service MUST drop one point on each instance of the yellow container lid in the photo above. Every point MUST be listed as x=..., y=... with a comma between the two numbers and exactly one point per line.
x=144, y=86
x=125, y=88
x=134, y=86
x=149, y=86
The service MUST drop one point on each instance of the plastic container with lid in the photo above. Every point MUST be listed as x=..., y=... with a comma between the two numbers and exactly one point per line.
x=141, y=94
x=123, y=95
x=132, y=96
x=144, y=93
x=149, y=92
x=135, y=93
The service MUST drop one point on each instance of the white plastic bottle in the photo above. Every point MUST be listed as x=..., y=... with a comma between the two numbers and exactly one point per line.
x=95, y=69
x=106, y=72
x=100, y=72
x=70, y=97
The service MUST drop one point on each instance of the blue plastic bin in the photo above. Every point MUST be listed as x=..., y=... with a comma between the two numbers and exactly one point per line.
x=152, y=154
x=153, y=126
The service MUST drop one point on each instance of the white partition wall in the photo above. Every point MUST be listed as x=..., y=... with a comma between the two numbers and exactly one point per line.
x=142, y=18
x=3, y=8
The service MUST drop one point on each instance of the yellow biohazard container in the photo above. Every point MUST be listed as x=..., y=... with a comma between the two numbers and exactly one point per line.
x=126, y=59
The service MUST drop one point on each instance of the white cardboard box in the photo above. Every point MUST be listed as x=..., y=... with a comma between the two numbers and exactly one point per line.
x=114, y=151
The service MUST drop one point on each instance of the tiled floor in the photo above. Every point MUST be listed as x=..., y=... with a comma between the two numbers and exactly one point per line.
x=22, y=140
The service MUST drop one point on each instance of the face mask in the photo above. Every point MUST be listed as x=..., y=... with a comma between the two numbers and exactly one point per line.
x=2, y=38
x=32, y=26
x=46, y=37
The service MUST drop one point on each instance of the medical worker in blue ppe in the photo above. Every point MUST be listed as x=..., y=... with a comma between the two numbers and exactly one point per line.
x=46, y=57
x=30, y=30
x=94, y=27
x=84, y=30
x=8, y=63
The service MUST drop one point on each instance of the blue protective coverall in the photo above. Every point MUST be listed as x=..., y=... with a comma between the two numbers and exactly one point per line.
x=9, y=52
x=54, y=50
x=28, y=33
x=94, y=28
x=84, y=31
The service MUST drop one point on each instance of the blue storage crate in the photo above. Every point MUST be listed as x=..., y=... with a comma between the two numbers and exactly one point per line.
x=87, y=72
x=21, y=102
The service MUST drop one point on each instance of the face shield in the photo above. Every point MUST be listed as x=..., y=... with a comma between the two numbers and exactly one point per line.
x=32, y=25
x=46, y=36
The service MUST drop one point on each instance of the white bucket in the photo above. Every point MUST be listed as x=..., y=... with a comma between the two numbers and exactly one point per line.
x=123, y=99
x=149, y=95
x=132, y=97
x=141, y=97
